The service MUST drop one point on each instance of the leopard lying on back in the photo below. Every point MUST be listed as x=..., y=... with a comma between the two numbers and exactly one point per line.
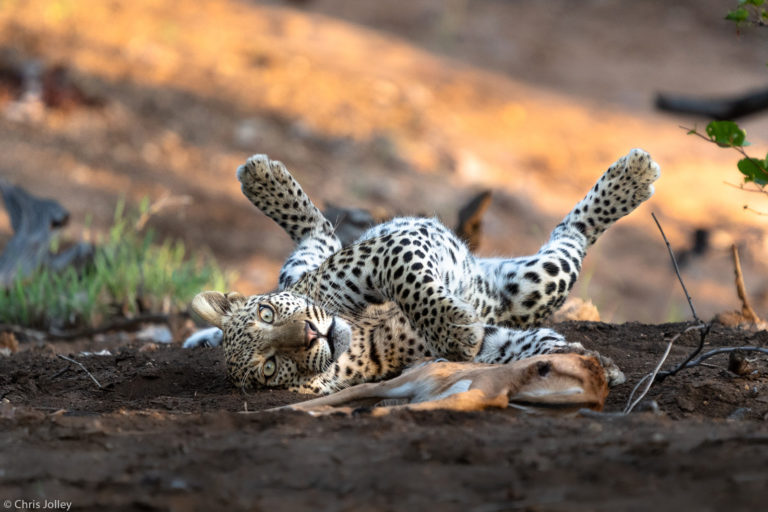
x=406, y=290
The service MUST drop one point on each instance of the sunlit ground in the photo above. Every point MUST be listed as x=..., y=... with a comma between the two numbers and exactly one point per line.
x=405, y=106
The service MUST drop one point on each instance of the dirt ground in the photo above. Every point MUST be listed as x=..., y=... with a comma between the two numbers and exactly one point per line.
x=530, y=99
x=401, y=107
x=167, y=432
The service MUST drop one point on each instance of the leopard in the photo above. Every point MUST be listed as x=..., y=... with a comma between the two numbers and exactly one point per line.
x=407, y=290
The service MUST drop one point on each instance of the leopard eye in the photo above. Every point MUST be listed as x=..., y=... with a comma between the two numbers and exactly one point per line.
x=269, y=368
x=266, y=314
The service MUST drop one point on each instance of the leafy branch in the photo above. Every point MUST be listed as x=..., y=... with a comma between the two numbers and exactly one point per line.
x=749, y=12
x=728, y=134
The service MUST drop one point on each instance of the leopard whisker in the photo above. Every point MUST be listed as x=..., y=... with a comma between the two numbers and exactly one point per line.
x=245, y=379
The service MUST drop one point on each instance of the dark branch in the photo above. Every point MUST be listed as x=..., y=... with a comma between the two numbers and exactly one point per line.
x=715, y=108
x=717, y=351
x=686, y=363
x=117, y=325
x=677, y=269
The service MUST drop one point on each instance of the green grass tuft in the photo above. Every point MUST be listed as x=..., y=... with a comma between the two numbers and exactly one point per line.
x=129, y=275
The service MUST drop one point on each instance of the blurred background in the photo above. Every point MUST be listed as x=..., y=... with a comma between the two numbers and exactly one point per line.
x=399, y=107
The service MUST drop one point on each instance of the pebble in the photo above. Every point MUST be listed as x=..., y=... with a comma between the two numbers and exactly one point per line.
x=156, y=333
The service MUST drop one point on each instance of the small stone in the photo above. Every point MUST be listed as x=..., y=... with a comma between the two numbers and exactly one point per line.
x=739, y=414
x=8, y=343
x=649, y=406
x=685, y=403
x=738, y=364
x=179, y=484
x=155, y=333
x=148, y=347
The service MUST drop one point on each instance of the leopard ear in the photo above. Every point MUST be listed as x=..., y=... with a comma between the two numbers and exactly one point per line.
x=235, y=297
x=214, y=306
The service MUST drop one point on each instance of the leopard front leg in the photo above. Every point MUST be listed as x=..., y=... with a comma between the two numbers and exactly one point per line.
x=449, y=324
x=503, y=345
x=404, y=268
x=272, y=189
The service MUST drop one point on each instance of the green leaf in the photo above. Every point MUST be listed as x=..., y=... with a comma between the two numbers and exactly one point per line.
x=756, y=3
x=738, y=15
x=726, y=134
x=754, y=170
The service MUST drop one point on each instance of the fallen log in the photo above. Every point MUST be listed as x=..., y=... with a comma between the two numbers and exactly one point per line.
x=34, y=222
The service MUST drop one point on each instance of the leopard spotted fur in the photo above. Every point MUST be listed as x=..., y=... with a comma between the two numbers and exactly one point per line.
x=406, y=290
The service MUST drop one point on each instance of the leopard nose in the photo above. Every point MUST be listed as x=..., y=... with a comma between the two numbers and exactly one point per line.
x=310, y=332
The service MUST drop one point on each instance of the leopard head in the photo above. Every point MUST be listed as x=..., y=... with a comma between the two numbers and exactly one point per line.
x=274, y=340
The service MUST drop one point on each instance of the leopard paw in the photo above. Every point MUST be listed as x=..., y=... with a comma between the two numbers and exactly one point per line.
x=623, y=187
x=210, y=337
x=272, y=189
x=262, y=176
x=641, y=171
x=627, y=183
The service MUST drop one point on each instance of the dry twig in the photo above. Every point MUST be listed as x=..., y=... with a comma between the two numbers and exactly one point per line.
x=651, y=377
x=704, y=328
x=655, y=375
x=746, y=308
x=691, y=360
x=677, y=269
x=756, y=212
x=166, y=201
x=78, y=363
x=740, y=186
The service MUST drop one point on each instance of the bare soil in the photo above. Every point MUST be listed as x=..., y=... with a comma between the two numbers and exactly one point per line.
x=167, y=432
x=411, y=108
x=401, y=107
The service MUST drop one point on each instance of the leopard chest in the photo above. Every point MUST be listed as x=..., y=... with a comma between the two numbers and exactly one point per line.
x=382, y=347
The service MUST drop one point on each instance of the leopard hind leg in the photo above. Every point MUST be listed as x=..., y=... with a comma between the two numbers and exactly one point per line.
x=529, y=289
x=621, y=189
